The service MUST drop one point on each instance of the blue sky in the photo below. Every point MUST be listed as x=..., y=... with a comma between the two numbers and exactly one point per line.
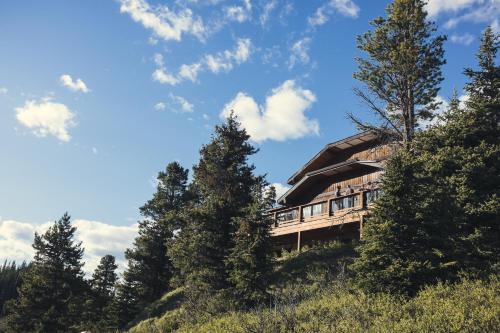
x=97, y=96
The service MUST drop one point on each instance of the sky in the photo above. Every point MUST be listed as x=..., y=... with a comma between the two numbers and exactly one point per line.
x=97, y=96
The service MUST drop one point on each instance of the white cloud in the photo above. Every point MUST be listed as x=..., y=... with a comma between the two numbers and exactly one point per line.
x=77, y=85
x=160, y=74
x=281, y=118
x=46, y=117
x=190, y=72
x=239, y=13
x=344, y=7
x=266, y=12
x=206, y=116
x=223, y=61
x=98, y=240
x=280, y=189
x=3, y=90
x=443, y=107
x=165, y=23
x=435, y=7
x=181, y=103
x=495, y=26
x=299, y=52
x=465, y=39
x=477, y=11
x=160, y=106
x=95, y=151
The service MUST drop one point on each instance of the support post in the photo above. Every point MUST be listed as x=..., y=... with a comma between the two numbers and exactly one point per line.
x=298, y=241
x=361, y=220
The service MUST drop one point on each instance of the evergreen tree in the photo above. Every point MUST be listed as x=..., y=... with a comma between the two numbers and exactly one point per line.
x=10, y=280
x=464, y=156
x=224, y=181
x=440, y=211
x=403, y=246
x=149, y=268
x=125, y=304
x=51, y=295
x=250, y=260
x=103, y=285
x=402, y=72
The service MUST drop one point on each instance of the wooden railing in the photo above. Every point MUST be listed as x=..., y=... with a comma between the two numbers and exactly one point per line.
x=344, y=205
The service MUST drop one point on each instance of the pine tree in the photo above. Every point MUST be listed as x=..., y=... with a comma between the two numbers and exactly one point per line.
x=10, y=280
x=402, y=72
x=223, y=180
x=125, y=305
x=51, y=295
x=149, y=268
x=464, y=153
x=250, y=260
x=401, y=248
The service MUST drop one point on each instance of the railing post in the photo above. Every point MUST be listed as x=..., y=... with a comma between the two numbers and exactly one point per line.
x=298, y=241
x=300, y=214
x=362, y=199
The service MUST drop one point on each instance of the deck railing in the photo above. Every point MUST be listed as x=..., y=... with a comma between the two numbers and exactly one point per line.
x=336, y=206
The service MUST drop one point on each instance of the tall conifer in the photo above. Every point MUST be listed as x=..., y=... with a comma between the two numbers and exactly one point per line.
x=51, y=295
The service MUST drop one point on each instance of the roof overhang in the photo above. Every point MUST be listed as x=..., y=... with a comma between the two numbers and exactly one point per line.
x=330, y=148
x=329, y=171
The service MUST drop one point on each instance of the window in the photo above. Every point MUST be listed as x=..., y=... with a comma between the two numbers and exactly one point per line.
x=287, y=216
x=371, y=196
x=314, y=210
x=346, y=202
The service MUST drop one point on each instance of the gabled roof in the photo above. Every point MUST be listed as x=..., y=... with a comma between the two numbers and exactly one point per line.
x=331, y=148
x=326, y=172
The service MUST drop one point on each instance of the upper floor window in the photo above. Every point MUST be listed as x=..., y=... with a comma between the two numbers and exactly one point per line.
x=287, y=216
x=372, y=195
x=313, y=210
x=346, y=202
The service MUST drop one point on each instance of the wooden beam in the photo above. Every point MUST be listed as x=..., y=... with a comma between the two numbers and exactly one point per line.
x=298, y=241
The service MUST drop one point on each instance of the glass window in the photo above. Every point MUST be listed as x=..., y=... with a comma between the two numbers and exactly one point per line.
x=314, y=210
x=287, y=216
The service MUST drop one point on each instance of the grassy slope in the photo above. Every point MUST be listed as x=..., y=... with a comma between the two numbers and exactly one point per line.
x=306, y=302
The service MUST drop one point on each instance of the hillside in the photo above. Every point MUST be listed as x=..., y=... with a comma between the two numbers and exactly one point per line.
x=311, y=294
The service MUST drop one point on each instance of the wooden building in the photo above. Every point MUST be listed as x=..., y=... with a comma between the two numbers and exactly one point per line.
x=332, y=193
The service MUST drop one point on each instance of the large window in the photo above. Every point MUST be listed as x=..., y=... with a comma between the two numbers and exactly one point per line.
x=346, y=202
x=371, y=196
x=314, y=210
x=287, y=216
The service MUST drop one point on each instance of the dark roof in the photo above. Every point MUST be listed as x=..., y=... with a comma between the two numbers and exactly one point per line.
x=328, y=171
x=336, y=146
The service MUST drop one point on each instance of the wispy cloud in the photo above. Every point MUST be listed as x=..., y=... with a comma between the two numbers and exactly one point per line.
x=322, y=14
x=299, y=52
x=465, y=39
x=181, y=104
x=219, y=62
x=46, y=117
x=241, y=13
x=266, y=12
x=165, y=23
x=73, y=85
x=3, y=90
x=160, y=106
x=282, y=117
x=476, y=11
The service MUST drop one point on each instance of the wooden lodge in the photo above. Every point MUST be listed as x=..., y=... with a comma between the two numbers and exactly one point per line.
x=332, y=193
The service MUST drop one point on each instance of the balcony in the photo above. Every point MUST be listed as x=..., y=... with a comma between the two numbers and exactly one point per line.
x=330, y=211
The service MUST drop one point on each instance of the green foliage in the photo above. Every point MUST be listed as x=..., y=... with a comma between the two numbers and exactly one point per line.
x=402, y=72
x=149, y=268
x=440, y=211
x=469, y=306
x=10, y=280
x=99, y=311
x=51, y=294
x=223, y=180
x=250, y=262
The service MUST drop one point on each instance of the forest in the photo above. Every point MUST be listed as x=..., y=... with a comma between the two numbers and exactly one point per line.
x=203, y=259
